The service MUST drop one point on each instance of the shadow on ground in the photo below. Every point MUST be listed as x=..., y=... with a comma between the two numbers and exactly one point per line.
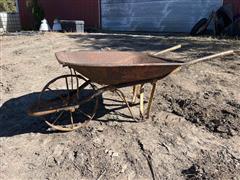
x=150, y=42
x=14, y=119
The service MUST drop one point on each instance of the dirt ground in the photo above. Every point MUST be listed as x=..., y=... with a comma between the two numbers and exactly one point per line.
x=193, y=132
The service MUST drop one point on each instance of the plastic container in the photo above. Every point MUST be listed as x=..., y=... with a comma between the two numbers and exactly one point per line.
x=57, y=25
x=44, y=26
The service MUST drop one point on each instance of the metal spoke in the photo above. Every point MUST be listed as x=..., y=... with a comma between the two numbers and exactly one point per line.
x=72, y=82
x=58, y=117
x=66, y=80
x=71, y=78
x=77, y=84
x=95, y=108
x=83, y=85
x=58, y=95
x=63, y=103
x=71, y=117
x=122, y=96
x=85, y=114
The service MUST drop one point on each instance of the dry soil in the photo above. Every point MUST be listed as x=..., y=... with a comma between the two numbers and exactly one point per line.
x=193, y=132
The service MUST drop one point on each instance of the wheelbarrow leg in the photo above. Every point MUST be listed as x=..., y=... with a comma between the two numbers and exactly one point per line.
x=151, y=98
x=122, y=96
x=142, y=101
x=136, y=90
x=134, y=94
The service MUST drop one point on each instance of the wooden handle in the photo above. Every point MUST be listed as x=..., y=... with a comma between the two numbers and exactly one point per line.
x=167, y=50
x=237, y=52
x=210, y=57
x=206, y=58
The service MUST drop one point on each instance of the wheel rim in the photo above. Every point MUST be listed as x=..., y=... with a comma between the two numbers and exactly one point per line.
x=62, y=96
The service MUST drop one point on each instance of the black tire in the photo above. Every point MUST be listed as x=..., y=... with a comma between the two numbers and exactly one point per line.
x=200, y=27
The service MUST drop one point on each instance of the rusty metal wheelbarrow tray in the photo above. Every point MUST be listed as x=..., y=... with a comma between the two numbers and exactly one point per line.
x=115, y=67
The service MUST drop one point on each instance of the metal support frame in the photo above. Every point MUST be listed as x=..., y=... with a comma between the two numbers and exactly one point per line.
x=151, y=98
x=142, y=101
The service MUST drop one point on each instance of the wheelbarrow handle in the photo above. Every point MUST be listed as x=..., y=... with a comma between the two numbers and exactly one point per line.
x=167, y=50
x=225, y=53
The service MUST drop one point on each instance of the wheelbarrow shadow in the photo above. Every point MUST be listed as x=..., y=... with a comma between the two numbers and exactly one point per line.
x=14, y=119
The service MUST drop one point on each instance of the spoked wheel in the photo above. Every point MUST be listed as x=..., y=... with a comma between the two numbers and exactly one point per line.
x=60, y=103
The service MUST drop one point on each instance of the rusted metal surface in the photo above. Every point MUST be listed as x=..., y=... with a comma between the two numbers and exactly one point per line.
x=60, y=105
x=117, y=67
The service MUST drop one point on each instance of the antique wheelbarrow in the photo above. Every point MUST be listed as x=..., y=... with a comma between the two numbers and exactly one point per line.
x=68, y=102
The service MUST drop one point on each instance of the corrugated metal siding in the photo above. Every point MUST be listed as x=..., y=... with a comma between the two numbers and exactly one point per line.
x=87, y=10
x=155, y=15
x=9, y=22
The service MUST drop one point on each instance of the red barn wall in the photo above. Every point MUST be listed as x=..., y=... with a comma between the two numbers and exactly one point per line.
x=87, y=10
x=25, y=15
